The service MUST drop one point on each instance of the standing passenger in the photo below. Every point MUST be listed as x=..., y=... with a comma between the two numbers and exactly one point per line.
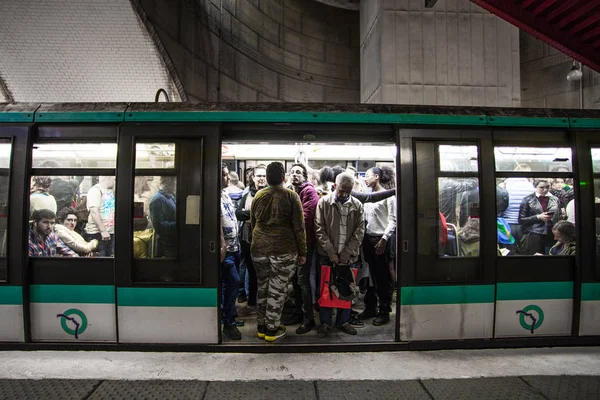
x=163, y=213
x=517, y=189
x=537, y=215
x=100, y=202
x=380, y=221
x=231, y=264
x=40, y=198
x=340, y=228
x=278, y=246
x=301, y=280
x=259, y=179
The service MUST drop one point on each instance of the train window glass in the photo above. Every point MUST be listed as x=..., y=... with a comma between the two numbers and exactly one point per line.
x=155, y=217
x=458, y=158
x=447, y=200
x=155, y=155
x=535, y=213
x=535, y=159
x=74, y=155
x=5, y=152
x=72, y=216
x=457, y=218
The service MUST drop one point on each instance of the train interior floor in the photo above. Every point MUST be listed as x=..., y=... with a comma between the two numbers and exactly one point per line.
x=367, y=334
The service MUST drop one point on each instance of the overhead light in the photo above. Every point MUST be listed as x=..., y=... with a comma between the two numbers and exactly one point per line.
x=575, y=74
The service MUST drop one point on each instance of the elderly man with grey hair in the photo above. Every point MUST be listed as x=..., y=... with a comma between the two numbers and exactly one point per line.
x=339, y=229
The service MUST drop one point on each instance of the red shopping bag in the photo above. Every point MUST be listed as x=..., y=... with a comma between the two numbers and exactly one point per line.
x=327, y=298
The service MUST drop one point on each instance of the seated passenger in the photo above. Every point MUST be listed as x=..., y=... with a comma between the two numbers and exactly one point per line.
x=163, y=215
x=468, y=238
x=142, y=236
x=537, y=214
x=40, y=198
x=67, y=220
x=339, y=229
x=43, y=242
x=564, y=234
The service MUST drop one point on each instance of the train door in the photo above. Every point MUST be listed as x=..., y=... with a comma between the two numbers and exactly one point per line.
x=13, y=145
x=587, y=218
x=168, y=244
x=447, y=243
x=536, y=272
x=70, y=231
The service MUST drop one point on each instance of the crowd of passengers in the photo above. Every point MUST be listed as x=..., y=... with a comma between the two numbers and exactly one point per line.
x=280, y=221
x=534, y=216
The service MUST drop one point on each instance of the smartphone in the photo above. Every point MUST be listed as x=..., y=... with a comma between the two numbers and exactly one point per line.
x=550, y=213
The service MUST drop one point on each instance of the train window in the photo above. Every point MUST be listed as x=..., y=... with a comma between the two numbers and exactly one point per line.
x=448, y=227
x=458, y=158
x=535, y=212
x=5, y=152
x=72, y=216
x=535, y=159
x=155, y=155
x=74, y=155
x=155, y=217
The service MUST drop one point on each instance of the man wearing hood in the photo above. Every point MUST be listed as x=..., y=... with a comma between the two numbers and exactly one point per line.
x=301, y=280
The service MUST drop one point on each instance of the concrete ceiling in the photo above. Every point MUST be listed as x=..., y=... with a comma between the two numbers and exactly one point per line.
x=347, y=4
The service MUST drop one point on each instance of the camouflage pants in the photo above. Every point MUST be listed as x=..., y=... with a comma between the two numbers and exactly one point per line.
x=273, y=274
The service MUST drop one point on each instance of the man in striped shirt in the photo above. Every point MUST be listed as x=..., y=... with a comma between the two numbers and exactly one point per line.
x=339, y=229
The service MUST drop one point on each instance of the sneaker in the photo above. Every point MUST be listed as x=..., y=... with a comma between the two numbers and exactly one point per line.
x=346, y=328
x=271, y=336
x=323, y=331
x=367, y=314
x=305, y=328
x=381, y=319
x=293, y=320
x=232, y=332
x=355, y=322
x=261, y=330
x=242, y=298
x=248, y=310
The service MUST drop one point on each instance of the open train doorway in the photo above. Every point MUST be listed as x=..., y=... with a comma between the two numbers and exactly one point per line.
x=354, y=225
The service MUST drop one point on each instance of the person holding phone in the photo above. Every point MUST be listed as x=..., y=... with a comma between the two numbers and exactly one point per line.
x=537, y=215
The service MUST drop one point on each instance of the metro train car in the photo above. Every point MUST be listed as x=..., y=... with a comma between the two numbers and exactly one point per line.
x=477, y=264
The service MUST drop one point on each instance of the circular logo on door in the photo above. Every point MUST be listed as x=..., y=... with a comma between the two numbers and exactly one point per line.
x=73, y=322
x=531, y=317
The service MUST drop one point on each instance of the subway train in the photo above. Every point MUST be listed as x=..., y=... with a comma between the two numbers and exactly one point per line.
x=476, y=264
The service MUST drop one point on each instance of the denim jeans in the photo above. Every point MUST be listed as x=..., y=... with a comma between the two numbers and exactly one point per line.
x=302, y=290
x=326, y=316
x=106, y=248
x=231, y=284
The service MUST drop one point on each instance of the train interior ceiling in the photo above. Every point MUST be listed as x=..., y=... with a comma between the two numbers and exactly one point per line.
x=354, y=158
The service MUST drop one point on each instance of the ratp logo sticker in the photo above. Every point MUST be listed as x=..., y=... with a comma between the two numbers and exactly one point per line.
x=73, y=322
x=531, y=317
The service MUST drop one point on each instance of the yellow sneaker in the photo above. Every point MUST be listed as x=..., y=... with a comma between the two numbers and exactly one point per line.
x=260, y=331
x=271, y=336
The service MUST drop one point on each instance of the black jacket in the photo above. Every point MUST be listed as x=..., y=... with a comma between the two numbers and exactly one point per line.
x=529, y=210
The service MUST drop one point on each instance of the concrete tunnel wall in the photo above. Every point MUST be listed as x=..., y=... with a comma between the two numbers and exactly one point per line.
x=259, y=50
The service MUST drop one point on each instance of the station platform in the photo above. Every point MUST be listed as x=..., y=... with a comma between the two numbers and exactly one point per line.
x=546, y=373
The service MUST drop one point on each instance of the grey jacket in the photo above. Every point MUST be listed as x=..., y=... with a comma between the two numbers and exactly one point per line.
x=327, y=228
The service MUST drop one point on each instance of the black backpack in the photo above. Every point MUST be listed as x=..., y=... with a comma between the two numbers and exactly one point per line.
x=341, y=282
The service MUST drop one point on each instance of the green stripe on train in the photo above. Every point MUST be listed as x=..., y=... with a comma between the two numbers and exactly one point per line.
x=590, y=292
x=11, y=295
x=534, y=291
x=96, y=294
x=326, y=117
x=167, y=297
x=423, y=295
